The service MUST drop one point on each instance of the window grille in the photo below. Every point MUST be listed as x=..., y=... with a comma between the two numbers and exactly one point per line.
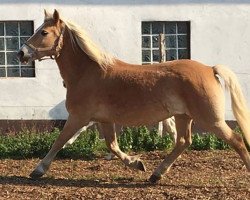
x=177, y=41
x=12, y=36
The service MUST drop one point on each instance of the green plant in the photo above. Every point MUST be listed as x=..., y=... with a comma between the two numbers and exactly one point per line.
x=84, y=147
x=88, y=144
x=208, y=142
x=26, y=145
x=141, y=139
x=126, y=139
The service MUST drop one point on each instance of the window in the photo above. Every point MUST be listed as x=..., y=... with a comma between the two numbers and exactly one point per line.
x=177, y=41
x=12, y=36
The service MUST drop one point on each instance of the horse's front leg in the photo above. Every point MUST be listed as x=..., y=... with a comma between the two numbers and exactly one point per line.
x=76, y=135
x=108, y=130
x=70, y=128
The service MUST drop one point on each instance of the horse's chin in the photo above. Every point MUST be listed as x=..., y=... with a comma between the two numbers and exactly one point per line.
x=26, y=59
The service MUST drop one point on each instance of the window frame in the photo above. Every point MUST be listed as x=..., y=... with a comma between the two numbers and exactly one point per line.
x=151, y=35
x=8, y=67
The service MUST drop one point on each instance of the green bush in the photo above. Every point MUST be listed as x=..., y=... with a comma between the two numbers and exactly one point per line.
x=126, y=139
x=84, y=147
x=27, y=145
x=88, y=144
x=207, y=142
x=141, y=139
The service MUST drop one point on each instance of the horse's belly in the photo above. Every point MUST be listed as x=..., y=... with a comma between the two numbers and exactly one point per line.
x=136, y=113
x=136, y=118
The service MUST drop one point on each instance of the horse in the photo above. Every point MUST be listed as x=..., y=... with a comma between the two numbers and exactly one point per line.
x=132, y=95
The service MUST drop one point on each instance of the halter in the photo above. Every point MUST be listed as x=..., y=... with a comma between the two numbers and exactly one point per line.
x=55, y=49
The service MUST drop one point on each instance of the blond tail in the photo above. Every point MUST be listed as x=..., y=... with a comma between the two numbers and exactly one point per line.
x=238, y=102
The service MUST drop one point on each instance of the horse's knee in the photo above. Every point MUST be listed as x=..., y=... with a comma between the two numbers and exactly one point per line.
x=184, y=141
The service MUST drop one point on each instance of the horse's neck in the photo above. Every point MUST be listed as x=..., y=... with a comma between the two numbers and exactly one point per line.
x=73, y=63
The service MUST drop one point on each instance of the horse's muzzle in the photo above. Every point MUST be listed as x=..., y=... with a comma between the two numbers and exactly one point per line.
x=23, y=55
x=20, y=55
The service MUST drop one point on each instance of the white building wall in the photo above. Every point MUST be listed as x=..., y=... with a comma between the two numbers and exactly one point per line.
x=220, y=34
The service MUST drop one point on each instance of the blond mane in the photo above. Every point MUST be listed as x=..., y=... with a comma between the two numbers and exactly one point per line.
x=79, y=36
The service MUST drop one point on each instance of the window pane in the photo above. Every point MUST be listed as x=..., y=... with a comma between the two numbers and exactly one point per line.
x=1, y=44
x=2, y=58
x=1, y=29
x=23, y=40
x=146, y=42
x=145, y=28
x=11, y=28
x=2, y=72
x=156, y=56
x=12, y=44
x=155, y=41
x=171, y=54
x=12, y=58
x=177, y=40
x=170, y=28
x=146, y=55
x=170, y=41
x=13, y=72
x=182, y=41
x=26, y=28
x=27, y=71
x=183, y=54
x=157, y=28
x=182, y=27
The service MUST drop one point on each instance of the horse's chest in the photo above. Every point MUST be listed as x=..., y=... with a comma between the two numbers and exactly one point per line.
x=75, y=102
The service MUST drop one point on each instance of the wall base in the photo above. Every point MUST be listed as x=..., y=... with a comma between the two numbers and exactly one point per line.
x=38, y=126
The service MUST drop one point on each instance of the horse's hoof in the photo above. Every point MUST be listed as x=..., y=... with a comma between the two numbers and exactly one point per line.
x=154, y=179
x=141, y=166
x=110, y=156
x=36, y=174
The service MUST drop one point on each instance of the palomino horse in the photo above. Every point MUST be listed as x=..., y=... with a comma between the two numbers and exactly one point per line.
x=133, y=95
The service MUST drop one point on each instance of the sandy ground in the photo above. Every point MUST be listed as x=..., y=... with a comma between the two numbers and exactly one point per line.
x=196, y=175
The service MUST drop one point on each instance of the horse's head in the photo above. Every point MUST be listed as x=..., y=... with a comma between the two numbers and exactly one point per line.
x=46, y=41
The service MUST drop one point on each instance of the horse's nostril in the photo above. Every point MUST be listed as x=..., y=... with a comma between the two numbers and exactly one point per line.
x=20, y=54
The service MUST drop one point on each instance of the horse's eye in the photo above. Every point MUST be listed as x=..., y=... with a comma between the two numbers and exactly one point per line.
x=44, y=33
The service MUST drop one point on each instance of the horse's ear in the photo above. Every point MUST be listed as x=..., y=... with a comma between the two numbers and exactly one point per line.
x=56, y=16
x=46, y=15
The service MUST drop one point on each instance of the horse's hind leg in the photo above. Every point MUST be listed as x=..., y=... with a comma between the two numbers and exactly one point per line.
x=183, y=126
x=223, y=131
x=169, y=127
x=108, y=130
x=118, y=130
